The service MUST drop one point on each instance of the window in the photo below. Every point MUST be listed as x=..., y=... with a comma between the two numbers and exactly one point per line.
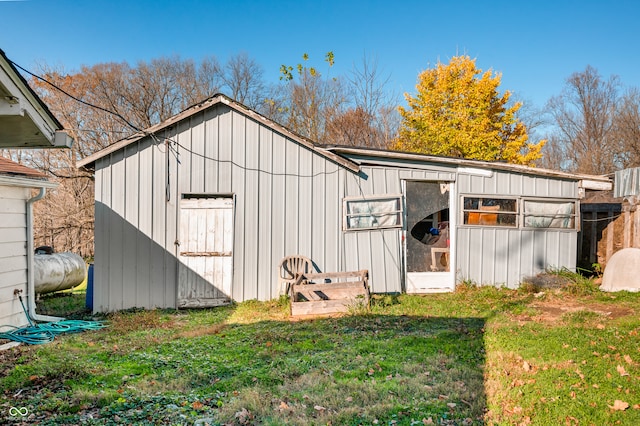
x=375, y=212
x=523, y=212
x=549, y=214
x=490, y=211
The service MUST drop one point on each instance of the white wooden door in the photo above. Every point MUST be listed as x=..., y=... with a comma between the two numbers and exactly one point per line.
x=205, y=270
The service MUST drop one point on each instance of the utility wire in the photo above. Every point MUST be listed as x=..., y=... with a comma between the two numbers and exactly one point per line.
x=76, y=98
x=602, y=219
x=172, y=149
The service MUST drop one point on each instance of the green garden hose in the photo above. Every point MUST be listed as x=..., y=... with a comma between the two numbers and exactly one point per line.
x=37, y=334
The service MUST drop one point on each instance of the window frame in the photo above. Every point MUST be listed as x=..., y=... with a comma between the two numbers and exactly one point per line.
x=347, y=215
x=480, y=211
x=575, y=215
x=521, y=215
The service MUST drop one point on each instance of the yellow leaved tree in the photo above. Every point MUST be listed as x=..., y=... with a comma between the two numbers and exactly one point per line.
x=458, y=112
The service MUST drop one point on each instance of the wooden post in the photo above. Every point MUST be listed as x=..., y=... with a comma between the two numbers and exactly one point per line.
x=627, y=241
x=610, y=232
x=593, y=237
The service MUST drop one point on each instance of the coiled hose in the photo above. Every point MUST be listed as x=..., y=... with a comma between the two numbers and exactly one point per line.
x=37, y=334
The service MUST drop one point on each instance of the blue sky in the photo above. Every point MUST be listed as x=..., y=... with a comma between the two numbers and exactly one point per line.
x=536, y=45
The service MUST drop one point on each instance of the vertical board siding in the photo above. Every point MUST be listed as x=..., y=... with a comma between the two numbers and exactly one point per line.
x=506, y=256
x=144, y=234
x=103, y=242
x=158, y=222
x=250, y=280
x=319, y=210
x=171, y=212
x=99, y=242
x=305, y=205
x=292, y=198
x=225, y=144
x=221, y=152
x=13, y=255
x=131, y=223
x=288, y=200
x=515, y=184
x=197, y=152
x=211, y=151
x=279, y=201
x=238, y=187
x=117, y=229
x=266, y=265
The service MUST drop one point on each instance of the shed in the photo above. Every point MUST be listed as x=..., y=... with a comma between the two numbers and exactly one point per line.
x=199, y=210
x=25, y=122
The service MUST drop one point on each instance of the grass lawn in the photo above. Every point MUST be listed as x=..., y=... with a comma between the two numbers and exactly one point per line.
x=476, y=356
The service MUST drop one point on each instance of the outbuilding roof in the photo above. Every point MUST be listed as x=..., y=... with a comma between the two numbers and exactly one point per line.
x=373, y=156
x=349, y=157
x=89, y=161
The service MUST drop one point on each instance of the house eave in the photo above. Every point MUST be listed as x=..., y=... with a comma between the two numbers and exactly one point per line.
x=25, y=121
x=25, y=182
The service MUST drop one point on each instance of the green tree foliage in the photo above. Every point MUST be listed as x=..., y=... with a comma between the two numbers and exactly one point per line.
x=458, y=112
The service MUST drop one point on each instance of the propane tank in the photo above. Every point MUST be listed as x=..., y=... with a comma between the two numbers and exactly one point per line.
x=58, y=271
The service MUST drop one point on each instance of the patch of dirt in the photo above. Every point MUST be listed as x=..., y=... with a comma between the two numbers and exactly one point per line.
x=553, y=310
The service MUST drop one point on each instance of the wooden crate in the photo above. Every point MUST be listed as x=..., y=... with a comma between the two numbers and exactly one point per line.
x=327, y=293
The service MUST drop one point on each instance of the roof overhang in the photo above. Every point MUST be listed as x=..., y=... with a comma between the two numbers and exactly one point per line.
x=25, y=182
x=466, y=166
x=25, y=121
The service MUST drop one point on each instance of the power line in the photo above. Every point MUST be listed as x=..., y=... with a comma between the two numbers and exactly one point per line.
x=76, y=98
x=168, y=141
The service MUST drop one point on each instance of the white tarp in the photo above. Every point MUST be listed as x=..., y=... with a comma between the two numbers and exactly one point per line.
x=544, y=214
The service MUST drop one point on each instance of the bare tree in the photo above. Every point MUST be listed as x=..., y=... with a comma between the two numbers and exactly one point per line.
x=584, y=117
x=627, y=128
x=243, y=77
x=351, y=127
x=375, y=106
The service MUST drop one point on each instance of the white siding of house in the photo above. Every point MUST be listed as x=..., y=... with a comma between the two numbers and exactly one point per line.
x=13, y=255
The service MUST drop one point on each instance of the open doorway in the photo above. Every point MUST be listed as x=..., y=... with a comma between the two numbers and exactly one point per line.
x=428, y=237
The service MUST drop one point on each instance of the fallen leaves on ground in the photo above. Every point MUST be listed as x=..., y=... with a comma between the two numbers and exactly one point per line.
x=619, y=405
x=622, y=371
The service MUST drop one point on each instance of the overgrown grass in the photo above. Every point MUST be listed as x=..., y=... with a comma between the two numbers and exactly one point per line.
x=480, y=355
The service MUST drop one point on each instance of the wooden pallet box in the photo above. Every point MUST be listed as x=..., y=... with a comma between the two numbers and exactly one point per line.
x=327, y=293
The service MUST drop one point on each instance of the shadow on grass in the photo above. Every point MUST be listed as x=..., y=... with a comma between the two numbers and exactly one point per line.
x=211, y=364
x=354, y=370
